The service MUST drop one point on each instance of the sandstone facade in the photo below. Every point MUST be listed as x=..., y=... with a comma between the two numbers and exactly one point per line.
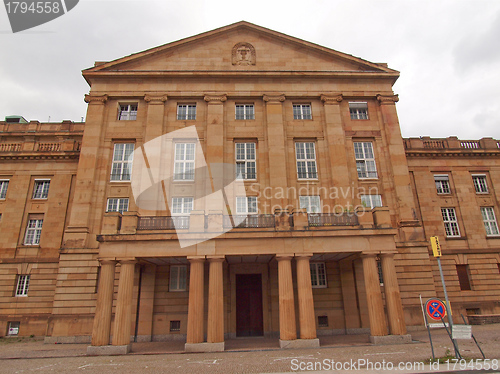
x=340, y=207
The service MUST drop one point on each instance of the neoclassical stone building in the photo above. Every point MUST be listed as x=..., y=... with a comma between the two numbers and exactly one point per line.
x=317, y=223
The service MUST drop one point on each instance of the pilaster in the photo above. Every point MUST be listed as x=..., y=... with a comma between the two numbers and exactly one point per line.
x=77, y=232
x=155, y=116
x=335, y=139
x=276, y=147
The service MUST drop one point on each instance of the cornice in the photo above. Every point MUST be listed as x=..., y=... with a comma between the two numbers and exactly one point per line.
x=215, y=98
x=329, y=99
x=155, y=99
x=451, y=153
x=387, y=99
x=94, y=99
x=38, y=156
x=274, y=98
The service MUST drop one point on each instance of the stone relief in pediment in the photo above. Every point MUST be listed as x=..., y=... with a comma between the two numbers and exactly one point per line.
x=243, y=54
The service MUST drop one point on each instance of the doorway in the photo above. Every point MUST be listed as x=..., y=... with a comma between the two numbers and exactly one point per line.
x=249, y=314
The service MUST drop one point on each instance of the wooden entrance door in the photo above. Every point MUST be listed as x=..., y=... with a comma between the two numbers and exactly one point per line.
x=249, y=317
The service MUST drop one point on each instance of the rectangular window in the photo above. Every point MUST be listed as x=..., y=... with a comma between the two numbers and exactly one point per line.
x=365, y=160
x=358, y=110
x=23, y=282
x=122, y=162
x=4, y=184
x=13, y=328
x=318, y=274
x=117, y=205
x=480, y=183
x=184, y=161
x=450, y=222
x=322, y=321
x=245, y=111
x=33, y=232
x=380, y=272
x=246, y=205
x=186, y=112
x=128, y=112
x=463, y=277
x=178, y=278
x=442, y=184
x=175, y=326
x=245, y=161
x=489, y=220
x=311, y=203
x=371, y=201
x=182, y=205
x=306, y=161
x=302, y=111
x=41, y=189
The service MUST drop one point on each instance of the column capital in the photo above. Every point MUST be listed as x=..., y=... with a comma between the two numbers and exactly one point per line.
x=216, y=258
x=386, y=254
x=215, y=99
x=279, y=98
x=124, y=261
x=303, y=255
x=107, y=261
x=332, y=99
x=281, y=257
x=155, y=99
x=195, y=259
x=368, y=255
x=387, y=99
x=96, y=99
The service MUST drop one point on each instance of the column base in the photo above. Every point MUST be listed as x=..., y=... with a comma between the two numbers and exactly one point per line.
x=390, y=339
x=204, y=347
x=108, y=350
x=299, y=343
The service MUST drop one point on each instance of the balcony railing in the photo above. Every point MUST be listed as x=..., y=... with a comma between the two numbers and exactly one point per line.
x=254, y=221
x=332, y=219
x=163, y=223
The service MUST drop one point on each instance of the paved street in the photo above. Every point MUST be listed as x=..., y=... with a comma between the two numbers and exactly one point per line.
x=35, y=356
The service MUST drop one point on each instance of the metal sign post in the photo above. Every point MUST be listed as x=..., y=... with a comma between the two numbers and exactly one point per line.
x=436, y=249
x=428, y=329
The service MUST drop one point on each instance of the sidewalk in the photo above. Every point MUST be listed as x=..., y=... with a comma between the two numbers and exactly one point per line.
x=341, y=346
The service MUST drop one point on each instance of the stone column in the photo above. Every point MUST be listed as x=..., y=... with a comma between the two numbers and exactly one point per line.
x=123, y=314
x=195, y=307
x=288, y=328
x=276, y=147
x=76, y=234
x=102, y=317
x=376, y=314
x=307, y=322
x=215, y=328
x=392, y=297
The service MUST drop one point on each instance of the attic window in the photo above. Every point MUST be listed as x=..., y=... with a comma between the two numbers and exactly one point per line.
x=128, y=112
x=358, y=110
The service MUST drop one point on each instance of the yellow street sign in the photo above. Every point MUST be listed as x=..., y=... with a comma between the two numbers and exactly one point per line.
x=436, y=248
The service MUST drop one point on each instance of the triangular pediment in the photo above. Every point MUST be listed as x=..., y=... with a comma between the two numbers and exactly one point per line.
x=240, y=47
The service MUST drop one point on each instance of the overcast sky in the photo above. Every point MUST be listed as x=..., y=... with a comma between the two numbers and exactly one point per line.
x=448, y=52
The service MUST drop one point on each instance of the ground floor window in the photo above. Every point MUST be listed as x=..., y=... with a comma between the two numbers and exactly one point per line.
x=318, y=274
x=178, y=278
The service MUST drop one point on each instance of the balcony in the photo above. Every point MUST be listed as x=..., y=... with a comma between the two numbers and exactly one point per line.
x=451, y=143
x=163, y=223
x=332, y=219
x=253, y=221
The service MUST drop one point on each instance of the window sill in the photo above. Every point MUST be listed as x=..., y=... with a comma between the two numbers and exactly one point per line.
x=492, y=236
x=121, y=181
x=39, y=198
x=368, y=179
x=455, y=237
